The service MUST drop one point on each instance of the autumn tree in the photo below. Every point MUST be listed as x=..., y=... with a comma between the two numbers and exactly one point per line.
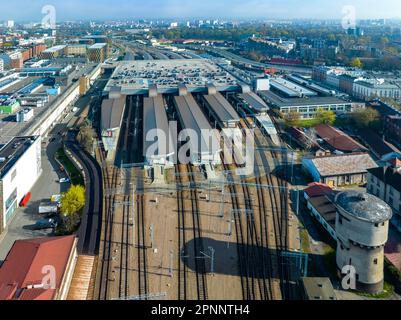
x=72, y=203
x=86, y=137
x=356, y=63
x=365, y=118
x=292, y=118
x=325, y=116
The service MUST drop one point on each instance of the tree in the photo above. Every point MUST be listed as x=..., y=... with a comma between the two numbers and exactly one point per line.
x=310, y=138
x=325, y=116
x=356, y=63
x=73, y=201
x=365, y=118
x=86, y=137
x=292, y=118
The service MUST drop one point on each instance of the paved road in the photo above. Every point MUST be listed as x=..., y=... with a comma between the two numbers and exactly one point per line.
x=45, y=187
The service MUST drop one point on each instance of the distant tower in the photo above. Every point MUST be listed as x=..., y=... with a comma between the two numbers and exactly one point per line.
x=362, y=224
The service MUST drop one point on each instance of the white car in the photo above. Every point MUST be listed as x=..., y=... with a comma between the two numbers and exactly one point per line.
x=64, y=180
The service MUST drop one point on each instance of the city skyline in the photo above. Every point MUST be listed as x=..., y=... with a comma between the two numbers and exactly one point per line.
x=257, y=9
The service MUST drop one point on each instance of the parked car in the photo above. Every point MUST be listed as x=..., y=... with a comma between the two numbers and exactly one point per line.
x=64, y=180
x=51, y=215
x=45, y=224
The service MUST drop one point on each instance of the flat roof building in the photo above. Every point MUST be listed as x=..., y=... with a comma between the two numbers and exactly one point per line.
x=98, y=52
x=138, y=77
x=20, y=168
x=318, y=289
x=307, y=107
x=54, y=52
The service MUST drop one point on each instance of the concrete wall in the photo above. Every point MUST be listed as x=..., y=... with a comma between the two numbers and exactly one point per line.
x=345, y=180
x=368, y=265
x=363, y=232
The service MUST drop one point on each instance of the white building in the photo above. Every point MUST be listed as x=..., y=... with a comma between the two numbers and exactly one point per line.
x=385, y=183
x=375, y=88
x=362, y=224
x=24, y=115
x=20, y=168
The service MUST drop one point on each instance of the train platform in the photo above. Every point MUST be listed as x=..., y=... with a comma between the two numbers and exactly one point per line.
x=82, y=283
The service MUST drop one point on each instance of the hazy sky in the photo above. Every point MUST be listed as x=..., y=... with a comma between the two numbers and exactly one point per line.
x=114, y=9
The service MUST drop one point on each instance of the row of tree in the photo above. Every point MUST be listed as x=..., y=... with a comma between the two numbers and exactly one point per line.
x=361, y=118
x=294, y=119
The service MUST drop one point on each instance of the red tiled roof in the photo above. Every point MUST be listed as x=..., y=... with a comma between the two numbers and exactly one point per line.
x=24, y=263
x=338, y=139
x=317, y=189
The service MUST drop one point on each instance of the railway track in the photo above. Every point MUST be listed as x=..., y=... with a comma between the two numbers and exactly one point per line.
x=125, y=248
x=143, y=283
x=182, y=266
x=110, y=182
x=122, y=210
x=186, y=281
x=279, y=198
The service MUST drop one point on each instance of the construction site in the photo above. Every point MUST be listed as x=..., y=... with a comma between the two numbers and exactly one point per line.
x=217, y=226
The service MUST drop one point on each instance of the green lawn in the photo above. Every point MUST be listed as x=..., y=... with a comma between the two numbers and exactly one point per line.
x=388, y=291
x=73, y=172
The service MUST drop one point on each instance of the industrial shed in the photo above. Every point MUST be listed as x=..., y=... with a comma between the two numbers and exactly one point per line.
x=164, y=144
x=254, y=102
x=111, y=120
x=338, y=170
x=222, y=110
x=338, y=140
x=191, y=117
